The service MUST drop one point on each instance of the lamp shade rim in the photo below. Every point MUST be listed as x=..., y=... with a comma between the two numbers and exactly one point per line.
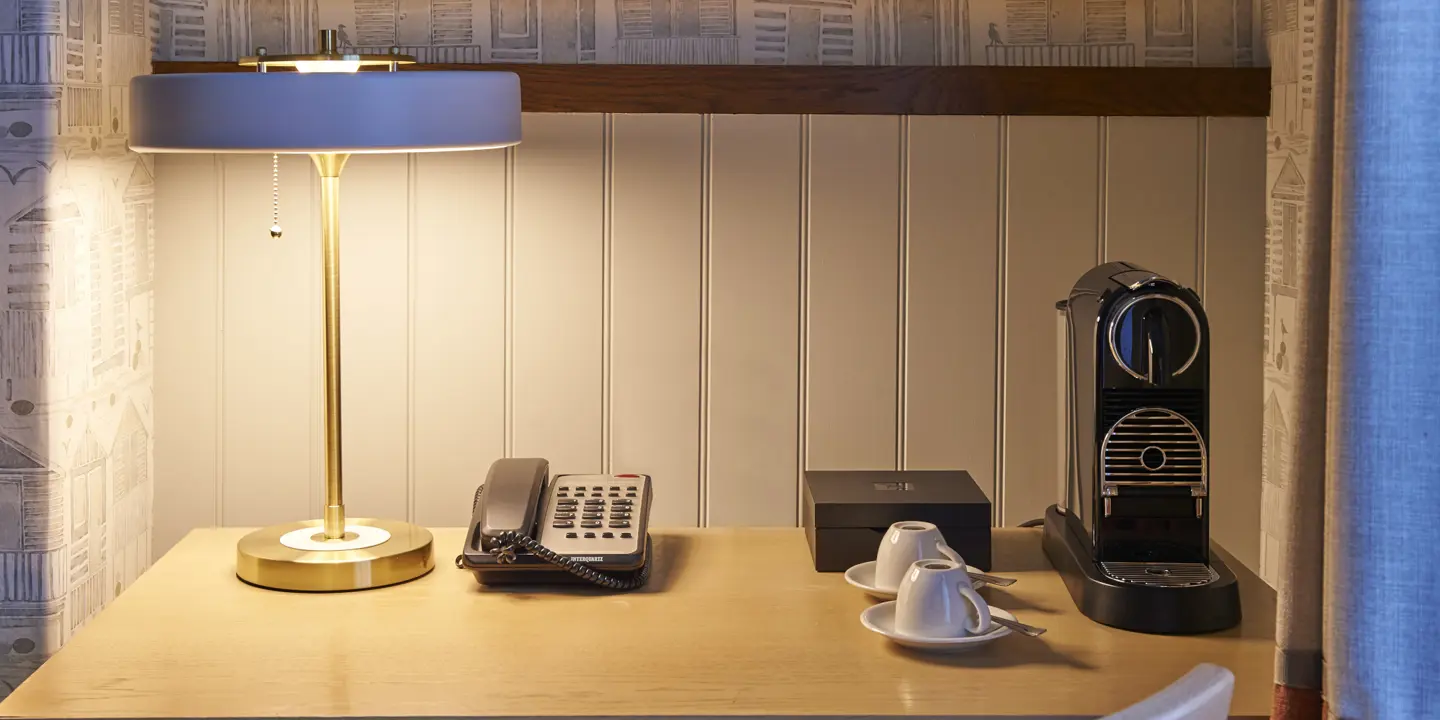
x=372, y=112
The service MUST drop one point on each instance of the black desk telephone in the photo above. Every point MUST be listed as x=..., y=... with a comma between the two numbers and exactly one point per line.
x=529, y=528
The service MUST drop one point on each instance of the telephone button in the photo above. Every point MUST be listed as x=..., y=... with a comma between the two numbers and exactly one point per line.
x=579, y=488
x=571, y=535
x=607, y=535
x=590, y=524
x=623, y=502
x=589, y=535
x=594, y=502
x=563, y=495
x=564, y=524
x=567, y=503
x=615, y=494
x=590, y=516
x=626, y=535
x=564, y=516
x=619, y=523
x=630, y=495
x=594, y=495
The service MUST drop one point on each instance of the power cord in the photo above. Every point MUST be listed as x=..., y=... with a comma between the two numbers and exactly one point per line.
x=506, y=543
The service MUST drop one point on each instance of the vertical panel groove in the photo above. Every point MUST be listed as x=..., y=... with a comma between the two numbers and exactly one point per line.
x=902, y=293
x=219, y=165
x=1201, y=190
x=803, y=416
x=707, y=184
x=607, y=266
x=509, y=349
x=1102, y=197
x=411, y=191
x=1001, y=227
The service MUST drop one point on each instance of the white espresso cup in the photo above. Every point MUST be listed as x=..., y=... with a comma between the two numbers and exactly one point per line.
x=936, y=600
x=903, y=544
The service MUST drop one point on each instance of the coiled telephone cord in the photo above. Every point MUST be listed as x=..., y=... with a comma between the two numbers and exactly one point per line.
x=504, y=552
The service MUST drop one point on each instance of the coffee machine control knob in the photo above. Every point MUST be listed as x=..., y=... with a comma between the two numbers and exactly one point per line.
x=1154, y=337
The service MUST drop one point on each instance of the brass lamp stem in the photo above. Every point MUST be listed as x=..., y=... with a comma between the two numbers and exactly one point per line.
x=329, y=166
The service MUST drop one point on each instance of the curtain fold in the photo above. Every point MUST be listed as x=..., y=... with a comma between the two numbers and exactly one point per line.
x=1359, y=574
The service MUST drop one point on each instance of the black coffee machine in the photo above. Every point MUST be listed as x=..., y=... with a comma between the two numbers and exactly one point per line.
x=1131, y=536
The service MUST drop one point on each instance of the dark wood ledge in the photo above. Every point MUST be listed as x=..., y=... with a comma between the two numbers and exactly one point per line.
x=914, y=90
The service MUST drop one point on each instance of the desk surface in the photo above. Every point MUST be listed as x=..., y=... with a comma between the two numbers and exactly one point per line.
x=734, y=622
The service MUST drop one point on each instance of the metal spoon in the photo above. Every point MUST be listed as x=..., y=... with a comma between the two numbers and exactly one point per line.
x=991, y=579
x=1018, y=626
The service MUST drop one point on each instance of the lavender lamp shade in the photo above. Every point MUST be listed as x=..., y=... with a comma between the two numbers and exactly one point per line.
x=364, y=112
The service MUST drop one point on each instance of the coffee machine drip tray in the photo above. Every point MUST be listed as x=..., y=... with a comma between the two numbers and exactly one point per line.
x=1171, y=575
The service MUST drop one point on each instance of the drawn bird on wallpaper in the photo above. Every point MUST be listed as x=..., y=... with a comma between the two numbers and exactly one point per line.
x=342, y=37
x=995, y=35
x=14, y=177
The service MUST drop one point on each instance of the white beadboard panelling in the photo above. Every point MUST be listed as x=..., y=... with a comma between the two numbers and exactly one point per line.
x=1151, y=194
x=698, y=258
x=187, y=338
x=271, y=297
x=656, y=309
x=557, y=319
x=952, y=241
x=854, y=245
x=1050, y=241
x=374, y=329
x=458, y=370
x=1234, y=297
x=754, y=319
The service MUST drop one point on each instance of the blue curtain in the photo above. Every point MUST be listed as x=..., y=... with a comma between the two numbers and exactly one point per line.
x=1385, y=320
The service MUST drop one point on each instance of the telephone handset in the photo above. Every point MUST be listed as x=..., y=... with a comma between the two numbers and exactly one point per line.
x=526, y=527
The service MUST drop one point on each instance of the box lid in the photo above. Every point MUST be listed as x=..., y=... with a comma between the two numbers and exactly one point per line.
x=877, y=498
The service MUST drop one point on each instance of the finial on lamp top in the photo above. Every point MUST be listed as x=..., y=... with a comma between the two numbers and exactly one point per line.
x=329, y=52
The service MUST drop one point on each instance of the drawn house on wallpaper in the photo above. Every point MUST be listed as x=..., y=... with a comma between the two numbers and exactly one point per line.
x=1063, y=32
x=1187, y=33
x=430, y=30
x=1286, y=226
x=280, y=26
x=918, y=32
x=548, y=31
x=130, y=500
x=33, y=562
x=1276, y=442
x=805, y=32
x=677, y=32
x=178, y=29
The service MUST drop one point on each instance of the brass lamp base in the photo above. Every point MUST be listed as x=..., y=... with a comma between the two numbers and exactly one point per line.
x=374, y=553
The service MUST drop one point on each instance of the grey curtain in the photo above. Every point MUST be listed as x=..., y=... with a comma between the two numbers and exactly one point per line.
x=1361, y=573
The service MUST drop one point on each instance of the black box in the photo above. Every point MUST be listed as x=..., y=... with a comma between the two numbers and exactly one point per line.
x=847, y=512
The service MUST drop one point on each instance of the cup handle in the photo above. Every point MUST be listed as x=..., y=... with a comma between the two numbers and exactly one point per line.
x=950, y=553
x=982, y=610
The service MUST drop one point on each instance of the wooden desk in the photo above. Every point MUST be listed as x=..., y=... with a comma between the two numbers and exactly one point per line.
x=734, y=622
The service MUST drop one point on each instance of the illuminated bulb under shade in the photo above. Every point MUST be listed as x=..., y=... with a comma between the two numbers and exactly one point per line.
x=327, y=66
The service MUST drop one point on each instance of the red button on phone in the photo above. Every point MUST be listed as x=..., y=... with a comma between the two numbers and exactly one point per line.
x=630, y=475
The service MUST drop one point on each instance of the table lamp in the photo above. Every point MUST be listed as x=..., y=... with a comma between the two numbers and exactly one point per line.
x=329, y=111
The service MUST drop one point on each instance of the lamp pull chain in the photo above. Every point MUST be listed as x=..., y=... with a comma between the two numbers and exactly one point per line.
x=275, y=230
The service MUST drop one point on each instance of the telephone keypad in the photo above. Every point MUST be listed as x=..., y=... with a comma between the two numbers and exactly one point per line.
x=605, y=513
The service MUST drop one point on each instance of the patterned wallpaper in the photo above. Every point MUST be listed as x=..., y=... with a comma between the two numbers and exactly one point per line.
x=1289, y=27
x=762, y=32
x=76, y=219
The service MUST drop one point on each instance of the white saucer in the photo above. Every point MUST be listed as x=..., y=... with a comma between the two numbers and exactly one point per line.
x=881, y=619
x=863, y=576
